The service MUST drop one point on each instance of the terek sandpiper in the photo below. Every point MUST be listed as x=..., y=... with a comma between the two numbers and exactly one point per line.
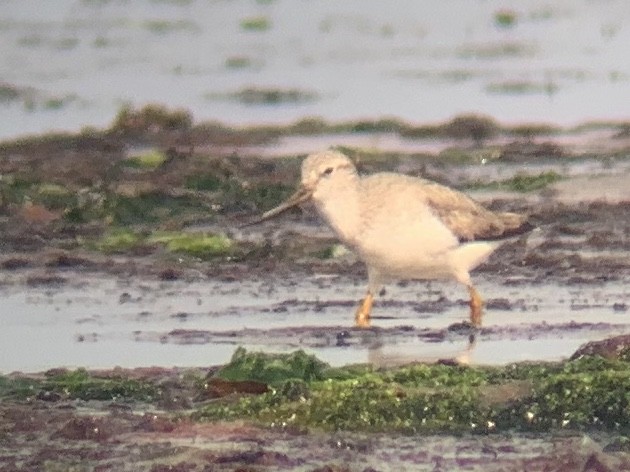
x=402, y=227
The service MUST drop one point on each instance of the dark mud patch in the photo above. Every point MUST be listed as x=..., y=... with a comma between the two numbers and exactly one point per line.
x=270, y=96
x=45, y=280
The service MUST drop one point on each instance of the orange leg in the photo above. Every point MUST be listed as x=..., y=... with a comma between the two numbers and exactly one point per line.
x=362, y=315
x=476, y=303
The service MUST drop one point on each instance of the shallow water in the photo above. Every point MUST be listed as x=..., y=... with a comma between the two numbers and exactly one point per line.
x=103, y=322
x=76, y=62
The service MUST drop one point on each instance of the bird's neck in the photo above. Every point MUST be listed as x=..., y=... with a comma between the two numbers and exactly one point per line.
x=339, y=205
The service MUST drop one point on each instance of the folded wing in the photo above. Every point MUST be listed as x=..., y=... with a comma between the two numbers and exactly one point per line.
x=469, y=220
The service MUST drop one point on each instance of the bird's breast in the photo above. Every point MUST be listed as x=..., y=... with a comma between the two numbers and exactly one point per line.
x=342, y=214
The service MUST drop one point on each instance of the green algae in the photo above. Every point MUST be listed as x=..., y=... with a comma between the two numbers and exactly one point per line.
x=17, y=190
x=505, y=18
x=255, y=23
x=497, y=50
x=17, y=387
x=118, y=241
x=78, y=384
x=521, y=87
x=330, y=251
x=200, y=245
x=267, y=195
x=206, y=181
x=238, y=62
x=581, y=400
x=151, y=208
x=228, y=190
x=271, y=96
x=203, y=246
x=162, y=27
x=54, y=196
x=151, y=118
x=521, y=183
x=588, y=393
x=14, y=189
x=151, y=159
x=273, y=368
x=9, y=93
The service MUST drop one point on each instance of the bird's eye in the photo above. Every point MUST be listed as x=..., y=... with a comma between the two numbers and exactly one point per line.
x=328, y=171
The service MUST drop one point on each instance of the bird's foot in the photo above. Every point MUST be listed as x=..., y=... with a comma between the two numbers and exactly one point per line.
x=362, y=315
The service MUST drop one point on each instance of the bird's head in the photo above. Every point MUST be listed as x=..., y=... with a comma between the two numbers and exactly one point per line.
x=320, y=173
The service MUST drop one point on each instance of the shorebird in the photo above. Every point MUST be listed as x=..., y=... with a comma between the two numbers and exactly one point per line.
x=402, y=227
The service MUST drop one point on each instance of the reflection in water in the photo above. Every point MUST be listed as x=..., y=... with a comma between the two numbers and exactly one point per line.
x=460, y=352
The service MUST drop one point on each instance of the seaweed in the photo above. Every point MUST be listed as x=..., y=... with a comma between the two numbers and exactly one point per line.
x=588, y=393
x=272, y=368
x=77, y=384
x=521, y=183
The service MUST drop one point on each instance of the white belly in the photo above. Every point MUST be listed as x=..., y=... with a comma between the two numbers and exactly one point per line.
x=417, y=248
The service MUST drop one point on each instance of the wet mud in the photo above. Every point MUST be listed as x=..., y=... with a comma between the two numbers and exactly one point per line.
x=117, y=439
x=89, y=274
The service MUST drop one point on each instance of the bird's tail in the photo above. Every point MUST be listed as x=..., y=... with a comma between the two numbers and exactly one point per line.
x=467, y=256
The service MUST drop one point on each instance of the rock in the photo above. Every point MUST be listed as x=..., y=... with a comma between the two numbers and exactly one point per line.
x=611, y=348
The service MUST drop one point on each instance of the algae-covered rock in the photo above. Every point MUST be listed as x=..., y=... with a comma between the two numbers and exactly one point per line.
x=585, y=394
x=273, y=368
x=77, y=384
x=82, y=385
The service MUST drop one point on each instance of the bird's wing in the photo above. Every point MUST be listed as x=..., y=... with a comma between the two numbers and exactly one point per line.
x=467, y=219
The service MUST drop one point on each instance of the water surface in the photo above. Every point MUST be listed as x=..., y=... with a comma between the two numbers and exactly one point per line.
x=76, y=63
x=103, y=322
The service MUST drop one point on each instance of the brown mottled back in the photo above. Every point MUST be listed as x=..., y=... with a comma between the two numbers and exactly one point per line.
x=469, y=220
